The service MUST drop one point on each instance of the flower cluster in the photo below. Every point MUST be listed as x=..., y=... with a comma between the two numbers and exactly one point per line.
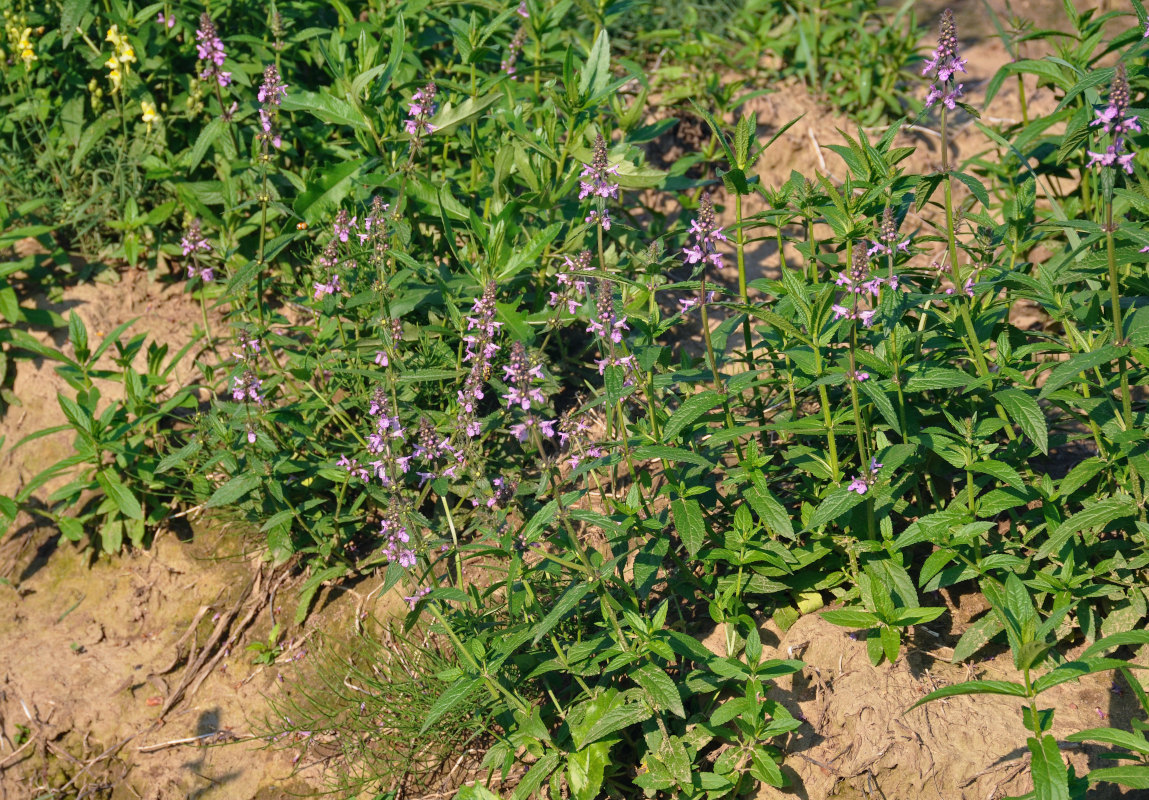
x=522, y=377
x=572, y=287
x=862, y=483
x=888, y=242
x=526, y=14
x=119, y=63
x=209, y=49
x=420, y=110
x=194, y=242
x=944, y=64
x=430, y=447
x=328, y=261
x=397, y=542
x=148, y=115
x=607, y=323
x=245, y=388
x=271, y=94
x=23, y=41
x=376, y=231
x=514, y=49
x=706, y=235
x=858, y=281
x=480, y=341
x=574, y=437
x=595, y=179
x=1115, y=120
x=168, y=21
x=967, y=289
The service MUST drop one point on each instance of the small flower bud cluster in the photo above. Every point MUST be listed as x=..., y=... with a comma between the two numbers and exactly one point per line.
x=397, y=541
x=245, y=388
x=168, y=21
x=967, y=289
x=1116, y=120
x=430, y=447
x=420, y=110
x=706, y=235
x=944, y=64
x=888, y=242
x=271, y=94
x=522, y=376
x=862, y=483
x=376, y=231
x=209, y=48
x=328, y=261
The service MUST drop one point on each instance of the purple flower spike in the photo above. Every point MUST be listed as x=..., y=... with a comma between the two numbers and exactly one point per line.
x=1115, y=120
x=944, y=63
x=706, y=235
x=595, y=178
x=210, y=50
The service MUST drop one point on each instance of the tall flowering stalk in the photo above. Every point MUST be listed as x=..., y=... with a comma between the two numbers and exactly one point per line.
x=271, y=94
x=595, y=182
x=193, y=243
x=943, y=65
x=1116, y=121
x=211, y=54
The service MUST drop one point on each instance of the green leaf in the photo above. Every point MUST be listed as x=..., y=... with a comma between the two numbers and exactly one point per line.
x=1080, y=475
x=1132, y=638
x=1067, y=371
x=938, y=378
x=770, y=512
x=1024, y=410
x=71, y=14
x=234, y=490
x=125, y=501
x=917, y=616
x=596, y=72
x=974, y=687
x=689, y=523
x=537, y=775
x=617, y=719
x=179, y=456
x=311, y=586
x=975, y=186
x=1000, y=470
x=663, y=693
x=837, y=503
x=565, y=604
x=450, y=117
x=455, y=694
x=328, y=191
x=851, y=618
x=691, y=409
x=672, y=454
x=891, y=642
x=1133, y=742
x=882, y=402
x=1050, y=778
x=1135, y=776
x=326, y=107
x=1072, y=670
x=1098, y=513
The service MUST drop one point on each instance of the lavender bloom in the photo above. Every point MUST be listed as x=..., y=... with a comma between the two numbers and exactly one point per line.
x=513, y=51
x=602, y=218
x=522, y=430
x=706, y=234
x=480, y=349
x=419, y=111
x=271, y=94
x=168, y=22
x=193, y=240
x=375, y=231
x=332, y=286
x=414, y=599
x=944, y=64
x=343, y=225
x=595, y=178
x=209, y=48
x=574, y=436
x=245, y=388
x=888, y=242
x=1115, y=120
x=572, y=287
x=521, y=376
x=862, y=484
x=969, y=284
x=606, y=323
x=353, y=468
x=525, y=14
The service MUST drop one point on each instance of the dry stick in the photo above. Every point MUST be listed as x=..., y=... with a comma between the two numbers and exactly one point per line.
x=152, y=748
x=12, y=759
x=221, y=627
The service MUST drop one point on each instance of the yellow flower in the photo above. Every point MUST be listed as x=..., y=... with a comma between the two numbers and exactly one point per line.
x=126, y=53
x=150, y=114
x=25, y=45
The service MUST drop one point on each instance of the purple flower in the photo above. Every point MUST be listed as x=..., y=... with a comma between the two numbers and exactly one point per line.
x=521, y=375
x=595, y=178
x=271, y=94
x=606, y=323
x=381, y=359
x=525, y=14
x=943, y=64
x=862, y=484
x=332, y=286
x=1115, y=120
x=421, y=108
x=168, y=22
x=210, y=50
x=706, y=234
x=193, y=240
x=245, y=388
x=343, y=225
x=596, y=217
x=888, y=242
x=513, y=50
x=414, y=599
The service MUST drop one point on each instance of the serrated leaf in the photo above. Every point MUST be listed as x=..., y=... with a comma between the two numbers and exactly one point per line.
x=1050, y=777
x=672, y=454
x=688, y=522
x=688, y=411
x=455, y=694
x=563, y=606
x=1096, y=514
x=851, y=618
x=125, y=501
x=837, y=503
x=1067, y=371
x=661, y=689
x=233, y=491
x=1025, y=411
